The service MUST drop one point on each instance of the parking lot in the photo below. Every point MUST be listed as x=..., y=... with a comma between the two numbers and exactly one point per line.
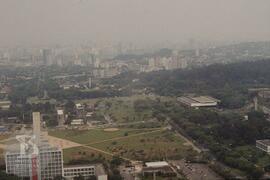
x=196, y=171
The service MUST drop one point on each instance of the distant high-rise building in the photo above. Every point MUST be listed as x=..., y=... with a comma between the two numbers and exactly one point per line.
x=46, y=56
x=197, y=52
x=90, y=83
x=119, y=48
x=96, y=63
x=191, y=43
x=151, y=63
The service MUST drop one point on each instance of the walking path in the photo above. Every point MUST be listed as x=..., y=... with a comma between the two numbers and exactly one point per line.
x=126, y=137
x=65, y=144
x=189, y=143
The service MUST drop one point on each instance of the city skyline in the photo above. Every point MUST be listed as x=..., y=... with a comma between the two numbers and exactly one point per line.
x=134, y=89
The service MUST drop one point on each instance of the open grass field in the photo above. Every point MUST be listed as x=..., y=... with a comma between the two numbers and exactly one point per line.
x=82, y=153
x=36, y=100
x=4, y=136
x=129, y=98
x=94, y=135
x=122, y=110
x=2, y=158
x=1, y=154
x=95, y=100
x=153, y=145
x=160, y=178
x=157, y=145
x=252, y=151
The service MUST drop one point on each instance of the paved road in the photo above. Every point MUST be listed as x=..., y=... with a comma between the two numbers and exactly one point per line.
x=196, y=171
x=126, y=137
x=188, y=141
x=2, y=146
x=64, y=144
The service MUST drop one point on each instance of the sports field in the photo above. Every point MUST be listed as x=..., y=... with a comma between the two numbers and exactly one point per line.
x=131, y=144
x=94, y=135
x=156, y=145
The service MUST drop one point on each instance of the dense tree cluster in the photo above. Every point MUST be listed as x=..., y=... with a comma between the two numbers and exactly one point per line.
x=227, y=82
x=4, y=176
x=228, y=136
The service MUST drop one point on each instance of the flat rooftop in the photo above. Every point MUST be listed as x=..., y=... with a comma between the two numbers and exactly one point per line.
x=198, y=99
x=77, y=120
x=80, y=166
x=60, y=112
x=166, y=169
x=264, y=141
x=205, y=99
x=157, y=164
x=5, y=102
x=100, y=170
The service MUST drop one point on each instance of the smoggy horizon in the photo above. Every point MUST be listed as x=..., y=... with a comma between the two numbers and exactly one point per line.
x=139, y=21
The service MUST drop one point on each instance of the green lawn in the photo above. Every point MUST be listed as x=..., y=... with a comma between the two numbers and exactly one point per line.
x=82, y=153
x=250, y=152
x=121, y=109
x=152, y=146
x=159, y=178
x=36, y=100
x=93, y=135
x=4, y=137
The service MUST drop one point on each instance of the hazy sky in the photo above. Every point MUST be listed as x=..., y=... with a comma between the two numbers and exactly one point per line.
x=61, y=21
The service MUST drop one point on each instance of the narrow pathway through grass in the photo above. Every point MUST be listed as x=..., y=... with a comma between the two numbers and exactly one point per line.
x=88, y=146
x=126, y=137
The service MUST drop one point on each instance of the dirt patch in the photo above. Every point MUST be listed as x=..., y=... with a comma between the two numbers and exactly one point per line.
x=111, y=129
x=186, y=144
x=63, y=143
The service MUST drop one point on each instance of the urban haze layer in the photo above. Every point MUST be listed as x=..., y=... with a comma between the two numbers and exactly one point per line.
x=134, y=90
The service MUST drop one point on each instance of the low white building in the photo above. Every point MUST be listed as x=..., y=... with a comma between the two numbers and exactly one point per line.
x=89, y=114
x=79, y=106
x=156, y=164
x=161, y=167
x=77, y=122
x=263, y=145
x=72, y=171
x=60, y=117
x=79, y=110
x=199, y=101
x=79, y=170
x=5, y=105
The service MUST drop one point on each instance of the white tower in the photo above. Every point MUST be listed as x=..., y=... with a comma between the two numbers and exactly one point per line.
x=90, y=83
x=255, y=103
x=36, y=126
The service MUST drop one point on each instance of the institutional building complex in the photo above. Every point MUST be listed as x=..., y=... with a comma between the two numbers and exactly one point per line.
x=199, y=101
x=263, y=145
x=33, y=157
